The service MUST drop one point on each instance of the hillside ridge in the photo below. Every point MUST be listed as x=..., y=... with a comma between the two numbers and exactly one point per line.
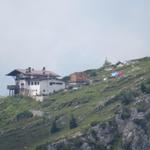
x=102, y=115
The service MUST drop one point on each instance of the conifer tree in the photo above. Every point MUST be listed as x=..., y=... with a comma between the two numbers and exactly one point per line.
x=73, y=122
x=54, y=127
x=143, y=88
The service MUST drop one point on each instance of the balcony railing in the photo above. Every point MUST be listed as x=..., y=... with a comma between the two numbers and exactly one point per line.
x=12, y=87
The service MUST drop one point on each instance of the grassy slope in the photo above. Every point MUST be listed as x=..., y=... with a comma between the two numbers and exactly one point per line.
x=82, y=103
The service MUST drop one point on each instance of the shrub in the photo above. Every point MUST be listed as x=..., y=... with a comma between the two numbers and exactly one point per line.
x=24, y=115
x=42, y=147
x=142, y=107
x=94, y=134
x=93, y=74
x=94, y=123
x=54, y=127
x=125, y=113
x=77, y=142
x=63, y=146
x=127, y=146
x=147, y=89
x=126, y=97
x=73, y=122
x=147, y=116
x=143, y=88
x=140, y=122
x=100, y=146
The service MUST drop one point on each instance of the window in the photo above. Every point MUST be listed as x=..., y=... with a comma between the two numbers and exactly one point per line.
x=44, y=90
x=59, y=83
x=35, y=83
x=51, y=83
x=31, y=83
x=22, y=85
x=28, y=82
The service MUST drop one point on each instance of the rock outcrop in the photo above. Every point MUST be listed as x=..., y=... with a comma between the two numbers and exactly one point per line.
x=129, y=130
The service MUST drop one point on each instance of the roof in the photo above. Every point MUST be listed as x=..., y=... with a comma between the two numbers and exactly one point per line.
x=119, y=62
x=32, y=72
x=78, y=73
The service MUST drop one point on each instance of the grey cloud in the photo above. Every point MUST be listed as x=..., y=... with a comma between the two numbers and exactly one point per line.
x=68, y=35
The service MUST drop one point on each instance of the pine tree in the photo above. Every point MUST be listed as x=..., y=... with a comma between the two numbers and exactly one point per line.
x=54, y=127
x=73, y=122
x=143, y=88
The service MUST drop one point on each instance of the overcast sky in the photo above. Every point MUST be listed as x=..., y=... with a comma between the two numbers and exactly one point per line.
x=71, y=35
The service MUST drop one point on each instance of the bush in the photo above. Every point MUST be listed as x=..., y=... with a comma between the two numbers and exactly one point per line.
x=142, y=107
x=145, y=87
x=140, y=122
x=73, y=122
x=126, y=97
x=94, y=134
x=94, y=123
x=54, y=127
x=24, y=115
x=147, y=116
x=77, y=142
x=63, y=146
x=125, y=113
x=127, y=146
x=42, y=147
x=148, y=89
x=100, y=146
x=93, y=74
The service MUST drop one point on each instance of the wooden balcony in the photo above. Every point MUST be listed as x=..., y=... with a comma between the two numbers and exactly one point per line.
x=12, y=87
x=13, y=90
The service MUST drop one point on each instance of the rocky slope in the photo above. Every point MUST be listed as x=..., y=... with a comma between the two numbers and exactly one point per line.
x=128, y=130
x=110, y=114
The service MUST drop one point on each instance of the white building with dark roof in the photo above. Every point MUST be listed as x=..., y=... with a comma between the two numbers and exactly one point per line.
x=34, y=83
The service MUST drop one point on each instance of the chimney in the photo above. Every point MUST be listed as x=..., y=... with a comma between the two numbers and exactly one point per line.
x=28, y=70
x=44, y=69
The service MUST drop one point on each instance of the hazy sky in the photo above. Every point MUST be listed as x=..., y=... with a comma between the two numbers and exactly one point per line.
x=71, y=35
